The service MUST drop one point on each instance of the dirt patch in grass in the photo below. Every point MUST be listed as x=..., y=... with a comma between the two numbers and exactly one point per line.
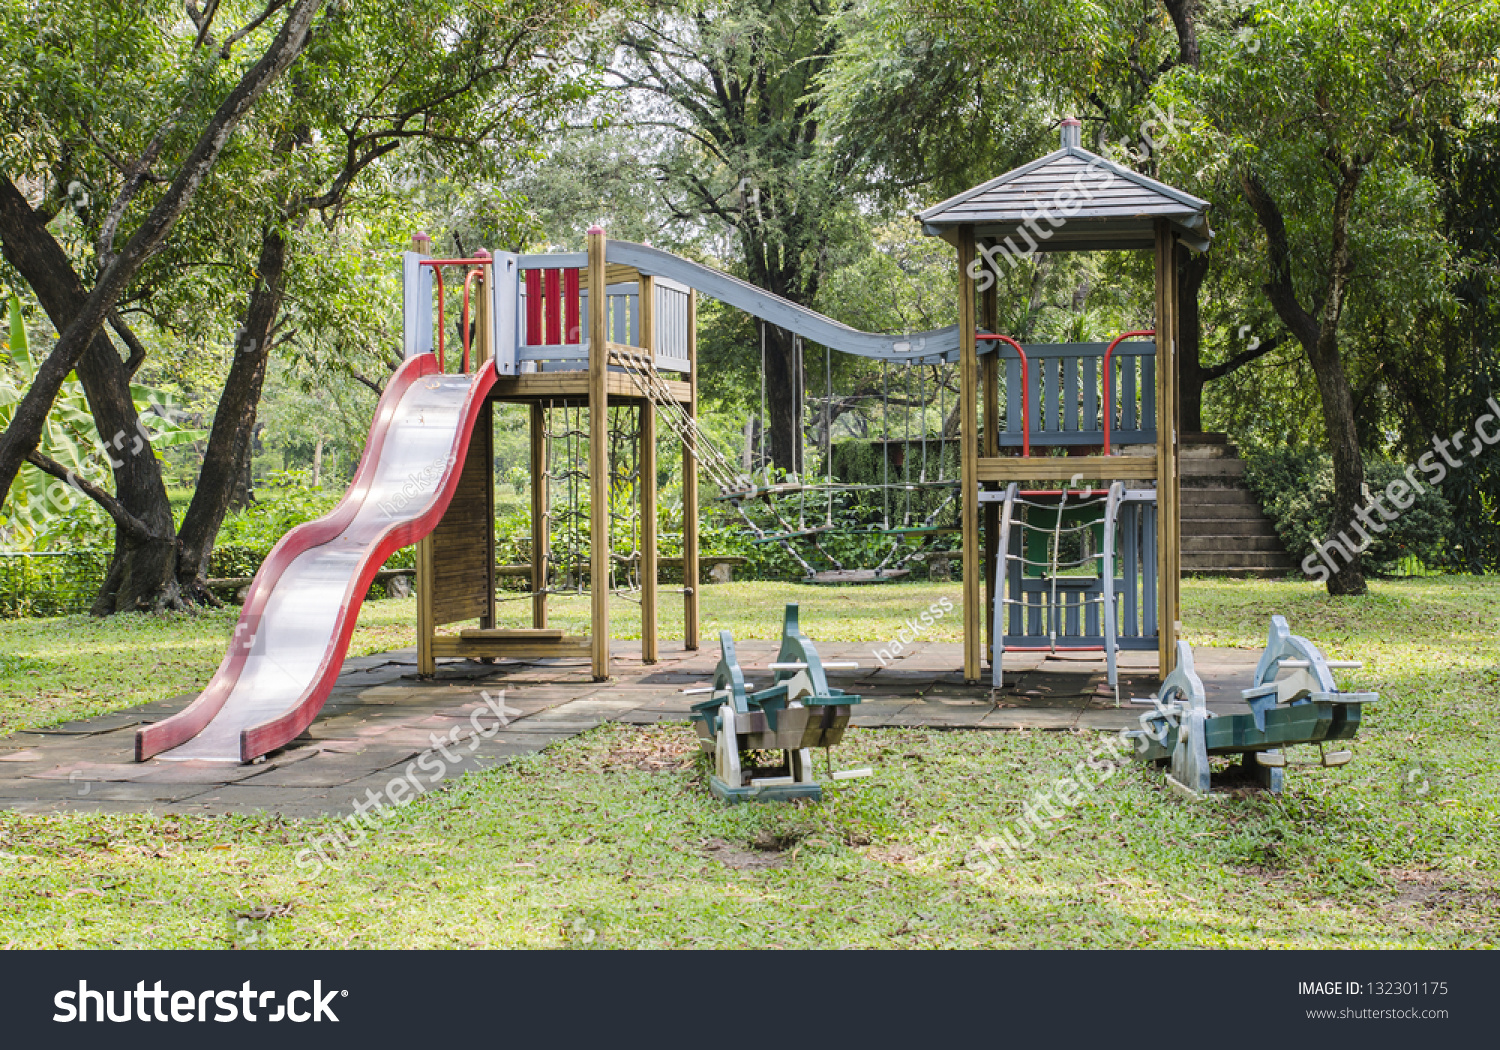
x=654, y=752
x=753, y=859
x=1433, y=891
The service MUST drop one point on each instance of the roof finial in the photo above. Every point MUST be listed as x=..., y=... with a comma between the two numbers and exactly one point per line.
x=1072, y=134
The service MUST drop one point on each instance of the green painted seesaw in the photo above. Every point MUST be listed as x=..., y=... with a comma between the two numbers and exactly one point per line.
x=798, y=712
x=1306, y=707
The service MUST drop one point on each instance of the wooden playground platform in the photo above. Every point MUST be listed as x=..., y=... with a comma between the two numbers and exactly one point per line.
x=381, y=716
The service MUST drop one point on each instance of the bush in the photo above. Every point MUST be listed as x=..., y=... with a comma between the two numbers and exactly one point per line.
x=1295, y=485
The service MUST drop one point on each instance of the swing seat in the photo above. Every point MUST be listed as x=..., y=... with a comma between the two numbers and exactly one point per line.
x=842, y=576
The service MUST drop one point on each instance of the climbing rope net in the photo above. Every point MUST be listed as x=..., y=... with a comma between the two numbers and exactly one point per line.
x=871, y=522
x=565, y=438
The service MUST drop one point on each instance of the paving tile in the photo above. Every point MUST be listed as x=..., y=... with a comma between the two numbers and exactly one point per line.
x=241, y=798
x=381, y=716
x=161, y=773
x=86, y=805
x=94, y=726
x=1029, y=718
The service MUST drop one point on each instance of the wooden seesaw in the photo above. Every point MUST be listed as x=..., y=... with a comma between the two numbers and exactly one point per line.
x=798, y=712
x=1307, y=707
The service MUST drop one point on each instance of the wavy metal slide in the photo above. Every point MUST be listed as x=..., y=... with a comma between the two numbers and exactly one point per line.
x=301, y=609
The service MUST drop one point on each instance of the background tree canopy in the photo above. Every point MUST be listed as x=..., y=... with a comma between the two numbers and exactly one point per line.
x=1346, y=314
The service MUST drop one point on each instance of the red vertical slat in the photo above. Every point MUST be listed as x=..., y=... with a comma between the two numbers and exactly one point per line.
x=533, y=307
x=570, y=307
x=554, y=308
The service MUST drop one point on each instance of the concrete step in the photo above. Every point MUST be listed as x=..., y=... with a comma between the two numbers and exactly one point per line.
x=1212, y=446
x=1223, y=512
x=1228, y=528
x=1220, y=494
x=1229, y=544
x=1200, y=561
x=1211, y=466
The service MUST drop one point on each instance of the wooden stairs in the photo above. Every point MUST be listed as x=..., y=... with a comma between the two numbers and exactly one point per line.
x=1224, y=530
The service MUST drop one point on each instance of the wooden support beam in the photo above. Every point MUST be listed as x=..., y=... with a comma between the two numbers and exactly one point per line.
x=541, y=510
x=690, y=492
x=968, y=375
x=598, y=455
x=1169, y=480
x=482, y=446
x=647, y=302
x=462, y=645
x=1063, y=468
x=426, y=621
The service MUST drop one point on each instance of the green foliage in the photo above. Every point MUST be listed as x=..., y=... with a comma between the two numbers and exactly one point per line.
x=1295, y=485
x=247, y=536
x=42, y=512
x=51, y=583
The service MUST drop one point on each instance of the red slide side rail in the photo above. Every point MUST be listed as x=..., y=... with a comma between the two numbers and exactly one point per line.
x=257, y=740
x=1025, y=390
x=1109, y=413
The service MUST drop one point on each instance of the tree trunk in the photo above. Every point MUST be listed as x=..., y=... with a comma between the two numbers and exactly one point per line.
x=226, y=460
x=1318, y=336
x=140, y=574
x=244, y=486
x=784, y=383
x=1348, y=466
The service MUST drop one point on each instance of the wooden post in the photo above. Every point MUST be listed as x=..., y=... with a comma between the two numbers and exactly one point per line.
x=426, y=625
x=598, y=455
x=482, y=444
x=647, y=300
x=1168, y=478
x=690, y=491
x=990, y=380
x=541, y=524
x=969, y=450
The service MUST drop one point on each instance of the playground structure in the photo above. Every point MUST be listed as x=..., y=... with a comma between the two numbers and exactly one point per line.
x=1307, y=707
x=798, y=711
x=601, y=345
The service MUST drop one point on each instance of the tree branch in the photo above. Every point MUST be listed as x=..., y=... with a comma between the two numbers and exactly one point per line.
x=127, y=522
x=30, y=414
x=1239, y=360
x=137, y=351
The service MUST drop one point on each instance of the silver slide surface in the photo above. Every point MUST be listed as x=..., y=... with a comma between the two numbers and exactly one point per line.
x=307, y=618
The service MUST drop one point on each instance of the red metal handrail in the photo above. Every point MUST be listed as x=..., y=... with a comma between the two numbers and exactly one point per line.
x=468, y=284
x=442, y=324
x=1025, y=390
x=1109, y=415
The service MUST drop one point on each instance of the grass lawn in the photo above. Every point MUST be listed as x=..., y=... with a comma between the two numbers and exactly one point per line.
x=611, y=840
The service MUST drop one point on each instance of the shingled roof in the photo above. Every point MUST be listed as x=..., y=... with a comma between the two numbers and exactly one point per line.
x=1082, y=200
